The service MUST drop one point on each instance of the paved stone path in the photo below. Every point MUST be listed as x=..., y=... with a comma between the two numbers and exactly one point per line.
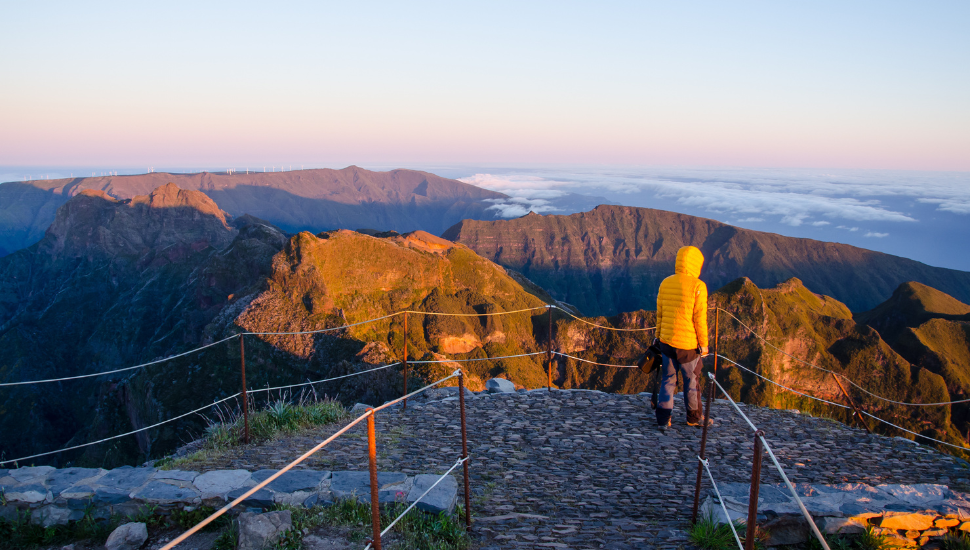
x=584, y=469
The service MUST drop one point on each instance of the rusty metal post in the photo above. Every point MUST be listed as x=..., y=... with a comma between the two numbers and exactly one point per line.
x=464, y=450
x=753, y=493
x=375, y=508
x=245, y=399
x=858, y=414
x=707, y=414
x=549, y=352
x=405, y=358
x=717, y=334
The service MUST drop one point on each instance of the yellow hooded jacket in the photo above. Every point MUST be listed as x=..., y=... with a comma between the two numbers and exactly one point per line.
x=682, y=303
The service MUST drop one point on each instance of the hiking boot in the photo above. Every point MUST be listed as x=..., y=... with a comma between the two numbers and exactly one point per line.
x=700, y=421
x=663, y=427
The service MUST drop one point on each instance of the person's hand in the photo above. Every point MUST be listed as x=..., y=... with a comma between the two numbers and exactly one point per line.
x=704, y=351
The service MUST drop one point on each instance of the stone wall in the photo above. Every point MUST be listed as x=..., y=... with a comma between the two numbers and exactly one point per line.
x=910, y=515
x=56, y=497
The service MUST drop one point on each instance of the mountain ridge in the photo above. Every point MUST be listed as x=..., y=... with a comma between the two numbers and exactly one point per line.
x=314, y=199
x=613, y=258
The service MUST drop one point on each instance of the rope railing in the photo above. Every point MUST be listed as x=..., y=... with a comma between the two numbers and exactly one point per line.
x=870, y=415
x=200, y=409
x=238, y=500
x=644, y=329
x=766, y=379
x=759, y=435
x=143, y=365
x=847, y=379
x=316, y=331
x=387, y=529
x=720, y=500
x=594, y=362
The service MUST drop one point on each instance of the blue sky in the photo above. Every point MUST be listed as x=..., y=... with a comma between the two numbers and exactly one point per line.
x=879, y=85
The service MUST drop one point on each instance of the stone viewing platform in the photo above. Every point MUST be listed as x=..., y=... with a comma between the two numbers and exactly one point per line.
x=586, y=469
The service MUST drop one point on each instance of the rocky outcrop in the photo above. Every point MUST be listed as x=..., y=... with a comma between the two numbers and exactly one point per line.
x=910, y=515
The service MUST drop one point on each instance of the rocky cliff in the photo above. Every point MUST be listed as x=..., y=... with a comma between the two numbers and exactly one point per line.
x=613, y=258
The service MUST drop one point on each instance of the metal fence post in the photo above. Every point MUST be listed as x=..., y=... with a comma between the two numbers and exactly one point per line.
x=845, y=394
x=753, y=493
x=707, y=414
x=375, y=508
x=464, y=449
x=405, y=358
x=549, y=352
x=245, y=399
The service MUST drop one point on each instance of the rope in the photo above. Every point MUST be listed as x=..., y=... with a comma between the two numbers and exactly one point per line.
x=409, y=508
x=781, y=470
x=860, y=388
x=119, y=370
x=124, y=434
x=331, y=329
x=720, y=500
x=801, y=505
x=781, y=386
x=595, y=363
x=265, y=482
x=604, y=326
x=266, y=334
x=474, y=314
x=324, y=380
x=479, y=359
x=286, y=468
x=914, y=433
x=199, y=410
x=733, y=404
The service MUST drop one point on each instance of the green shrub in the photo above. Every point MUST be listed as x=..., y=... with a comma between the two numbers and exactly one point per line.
x=709, y=534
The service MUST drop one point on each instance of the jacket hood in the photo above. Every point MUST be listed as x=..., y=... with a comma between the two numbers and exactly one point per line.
x=689, y=261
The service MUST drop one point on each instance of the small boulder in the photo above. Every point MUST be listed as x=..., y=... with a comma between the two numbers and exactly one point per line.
x=359, y=409
x=130, y=536
x=841, y=526
x=907, y=522
x=499, y=385
x=260, y=531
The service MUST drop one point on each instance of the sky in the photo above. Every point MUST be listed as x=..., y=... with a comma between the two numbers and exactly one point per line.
x=836, y=85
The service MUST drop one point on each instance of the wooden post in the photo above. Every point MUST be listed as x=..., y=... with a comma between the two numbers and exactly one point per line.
x=375, y=508
x=464, y=450
x=245, y=399
x=858, y=414
x=405, y=358
x=549, y=352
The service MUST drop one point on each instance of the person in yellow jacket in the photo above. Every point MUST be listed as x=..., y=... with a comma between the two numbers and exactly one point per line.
x=682, y=335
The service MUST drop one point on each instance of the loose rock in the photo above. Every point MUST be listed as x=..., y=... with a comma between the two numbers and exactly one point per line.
x=130, y=536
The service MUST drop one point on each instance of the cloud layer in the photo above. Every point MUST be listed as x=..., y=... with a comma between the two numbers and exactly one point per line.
x=791, y=197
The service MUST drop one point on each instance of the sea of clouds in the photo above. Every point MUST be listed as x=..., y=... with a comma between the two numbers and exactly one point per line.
x=921, y=215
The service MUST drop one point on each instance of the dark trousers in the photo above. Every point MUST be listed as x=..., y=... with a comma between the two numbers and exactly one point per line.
x=688, y=364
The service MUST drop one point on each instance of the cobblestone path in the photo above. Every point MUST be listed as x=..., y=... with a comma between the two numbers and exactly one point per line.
x=582, y=469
